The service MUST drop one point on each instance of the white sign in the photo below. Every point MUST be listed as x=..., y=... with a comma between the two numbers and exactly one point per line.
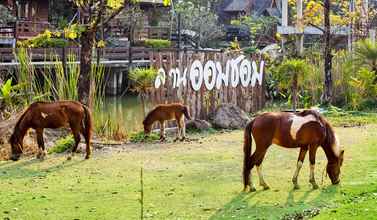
x=237, y=71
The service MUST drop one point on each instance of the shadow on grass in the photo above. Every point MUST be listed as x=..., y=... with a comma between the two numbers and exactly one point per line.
x=239, y=207
x=22, y=169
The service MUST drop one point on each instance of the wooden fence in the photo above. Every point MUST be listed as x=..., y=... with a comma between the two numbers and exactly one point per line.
x=202, y=103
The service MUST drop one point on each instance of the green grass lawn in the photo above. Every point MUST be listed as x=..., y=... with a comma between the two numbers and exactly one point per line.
x=197, y=180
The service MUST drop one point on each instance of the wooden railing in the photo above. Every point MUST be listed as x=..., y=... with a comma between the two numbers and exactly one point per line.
x=7, y=31
x=50, y=54
x=7, y=55
x=26, y=29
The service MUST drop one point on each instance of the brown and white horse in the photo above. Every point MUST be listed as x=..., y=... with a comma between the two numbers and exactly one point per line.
x=306, y=130
x=166, y=112
x=42, y=115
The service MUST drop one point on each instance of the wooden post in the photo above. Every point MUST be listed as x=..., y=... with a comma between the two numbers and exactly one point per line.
x=300, y=28
x=64, y=61
x=372, y=35
x=350, y=26
x=179, y=31
x=284, y=21
x=284, y=17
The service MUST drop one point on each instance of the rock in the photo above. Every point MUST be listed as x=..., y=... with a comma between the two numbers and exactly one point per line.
x=197, y=124
x=230, y=116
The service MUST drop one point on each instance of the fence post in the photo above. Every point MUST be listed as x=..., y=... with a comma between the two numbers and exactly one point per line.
x=64, y=61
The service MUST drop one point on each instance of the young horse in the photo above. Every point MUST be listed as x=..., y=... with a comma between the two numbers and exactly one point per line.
x=305, y=130
x=42, y=115
x=165, y=112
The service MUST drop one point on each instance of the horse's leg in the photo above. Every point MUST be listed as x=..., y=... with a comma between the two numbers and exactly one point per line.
x=87, y=142
x=179, y=131
x=250, y=168
x=312, y=154
x=162, y=130
x=183, y=129
x=76, y=135
x=300, y=161
x=258, y=164
x=41, y=145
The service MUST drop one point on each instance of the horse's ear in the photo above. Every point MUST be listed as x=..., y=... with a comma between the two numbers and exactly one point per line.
x=342, y=153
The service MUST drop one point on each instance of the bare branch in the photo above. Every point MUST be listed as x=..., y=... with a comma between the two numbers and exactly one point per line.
x=115, y=13
x=316, y=26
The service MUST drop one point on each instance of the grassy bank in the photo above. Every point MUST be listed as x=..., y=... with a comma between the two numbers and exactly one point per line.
x=191, y=180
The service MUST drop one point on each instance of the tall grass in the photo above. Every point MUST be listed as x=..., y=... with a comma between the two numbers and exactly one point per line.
x=56, y=83
x=26, y=73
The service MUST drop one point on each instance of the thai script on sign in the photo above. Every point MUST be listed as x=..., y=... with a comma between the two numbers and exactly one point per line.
x=237, y=71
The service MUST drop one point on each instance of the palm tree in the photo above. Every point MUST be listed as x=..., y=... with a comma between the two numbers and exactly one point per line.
x=366, y=54
x=293, y=72
x=143, y=81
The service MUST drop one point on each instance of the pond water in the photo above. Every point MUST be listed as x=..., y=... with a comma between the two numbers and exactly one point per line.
x=126, y=110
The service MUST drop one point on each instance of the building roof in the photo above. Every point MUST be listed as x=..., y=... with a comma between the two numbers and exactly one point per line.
x=238, y=5
x=152, y=1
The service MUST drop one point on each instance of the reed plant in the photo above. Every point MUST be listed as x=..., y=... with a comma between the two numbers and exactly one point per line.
x=57, y=82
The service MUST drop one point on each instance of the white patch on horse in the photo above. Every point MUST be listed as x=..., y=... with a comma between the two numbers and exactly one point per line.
x=44, y=115
x=336, y=146
x=298, y=122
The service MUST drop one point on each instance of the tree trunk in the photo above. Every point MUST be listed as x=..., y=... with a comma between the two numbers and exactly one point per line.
x=84, y=83
x=294, y=91
x=327, y=95
x=143, y=104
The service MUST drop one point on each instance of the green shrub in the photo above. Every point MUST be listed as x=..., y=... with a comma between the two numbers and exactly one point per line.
x=157, y=43
x=143, y=81
x=62, y=145
x=46, y=39
x=140, y=137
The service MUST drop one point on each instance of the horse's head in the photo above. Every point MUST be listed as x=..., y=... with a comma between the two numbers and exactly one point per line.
x=147, y=128
x=16, y=147
x=333, y=168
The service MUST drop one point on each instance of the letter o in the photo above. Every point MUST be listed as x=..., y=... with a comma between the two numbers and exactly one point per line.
x=196, y=75
x=210, y=70
x=160, y=78
x=245, y=73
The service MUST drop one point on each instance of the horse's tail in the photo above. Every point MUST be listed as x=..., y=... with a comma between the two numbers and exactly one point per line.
x=186, y=112
x=330, y=138
x=87, y=124
x=247, y=153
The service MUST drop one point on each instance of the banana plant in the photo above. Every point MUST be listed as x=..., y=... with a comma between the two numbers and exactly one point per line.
x=9, y=94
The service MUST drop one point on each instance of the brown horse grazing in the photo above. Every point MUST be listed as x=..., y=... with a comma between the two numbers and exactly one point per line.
x=42, y=115
x=165, y=112
x=305, y=130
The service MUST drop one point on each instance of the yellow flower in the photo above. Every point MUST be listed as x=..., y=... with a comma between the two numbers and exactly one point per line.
x=72, y=35
x=166, y=3
x=101, y=44
x=57, y=34
x=278, y=36
x=48, y=33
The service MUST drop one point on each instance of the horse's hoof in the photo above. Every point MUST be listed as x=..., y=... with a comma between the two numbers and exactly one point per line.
x=87, y=157
x=69, y=158
x=253, y=189
x=315, y=186
x=183, y=139
x=265, y=187
x=296, y=186
x=14, y=158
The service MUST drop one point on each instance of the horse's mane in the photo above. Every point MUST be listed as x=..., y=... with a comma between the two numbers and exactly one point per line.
x=330, y=139
x=13, y=137
x=149, y=116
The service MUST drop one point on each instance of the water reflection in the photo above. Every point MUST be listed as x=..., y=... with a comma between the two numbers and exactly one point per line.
x=126, y=110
